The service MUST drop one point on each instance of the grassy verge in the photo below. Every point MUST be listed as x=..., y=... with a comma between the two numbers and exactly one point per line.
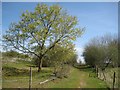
x=77, y=79
x=71, y=82
x=16, y=75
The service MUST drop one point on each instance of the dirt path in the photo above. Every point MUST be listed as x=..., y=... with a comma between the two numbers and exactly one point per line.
x=85, y=81
x=82, y=80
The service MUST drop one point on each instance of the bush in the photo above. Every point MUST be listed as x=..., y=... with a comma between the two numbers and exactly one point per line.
x=62, y=71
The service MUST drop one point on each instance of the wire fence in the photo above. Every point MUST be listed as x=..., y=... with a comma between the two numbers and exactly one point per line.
x=25, y=81
x=110, y=76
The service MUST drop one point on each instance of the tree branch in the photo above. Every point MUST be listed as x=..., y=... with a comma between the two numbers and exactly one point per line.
x=48, y=29
x=35, y=39
x=53, y=44
x=24, y=49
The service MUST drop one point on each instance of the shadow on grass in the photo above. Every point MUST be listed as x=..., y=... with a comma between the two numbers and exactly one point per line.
x=89, y=70
x=86, y=68
x=12, y=71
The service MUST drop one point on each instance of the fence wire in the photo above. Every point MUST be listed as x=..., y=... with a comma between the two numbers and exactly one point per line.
x=110, y=76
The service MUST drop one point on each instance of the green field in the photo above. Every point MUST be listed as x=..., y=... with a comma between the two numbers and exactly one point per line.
x=16, y=75
x=78, y=79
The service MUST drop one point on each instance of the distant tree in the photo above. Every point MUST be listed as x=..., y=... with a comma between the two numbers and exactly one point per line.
x=73, y=60
x=102, y=51
x=45, y=27
x=10, y=53
x=113, y=52
x=89, y=55
x=13, y=54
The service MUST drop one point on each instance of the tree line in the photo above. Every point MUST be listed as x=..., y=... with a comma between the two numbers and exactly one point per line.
x=102, y=52
x=14, y=54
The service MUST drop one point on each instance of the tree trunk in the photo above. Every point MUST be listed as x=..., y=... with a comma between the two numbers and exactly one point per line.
x=39, y=69
x=30, y=79
x=40, y=65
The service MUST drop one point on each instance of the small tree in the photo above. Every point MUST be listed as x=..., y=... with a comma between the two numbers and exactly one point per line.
x=61, y=58
x=45, y=27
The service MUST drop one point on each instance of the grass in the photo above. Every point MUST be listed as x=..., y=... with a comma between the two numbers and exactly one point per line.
x=17, y=75
x=22, y=80
x=70, y=82
x=78, y=79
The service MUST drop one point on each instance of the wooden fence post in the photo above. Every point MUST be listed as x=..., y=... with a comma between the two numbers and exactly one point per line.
x=113, y=80
x=30, y=79
x=97, y=71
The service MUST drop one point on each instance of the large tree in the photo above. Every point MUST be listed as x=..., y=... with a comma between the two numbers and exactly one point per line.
x=44, y=28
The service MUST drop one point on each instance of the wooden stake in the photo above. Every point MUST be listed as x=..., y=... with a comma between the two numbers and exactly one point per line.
x=113, y=80
x=30, y=79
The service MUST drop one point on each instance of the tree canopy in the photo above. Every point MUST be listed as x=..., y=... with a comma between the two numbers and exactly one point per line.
x=43, y=28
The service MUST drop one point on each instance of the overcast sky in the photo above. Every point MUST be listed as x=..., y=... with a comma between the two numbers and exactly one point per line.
x=97, y=18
